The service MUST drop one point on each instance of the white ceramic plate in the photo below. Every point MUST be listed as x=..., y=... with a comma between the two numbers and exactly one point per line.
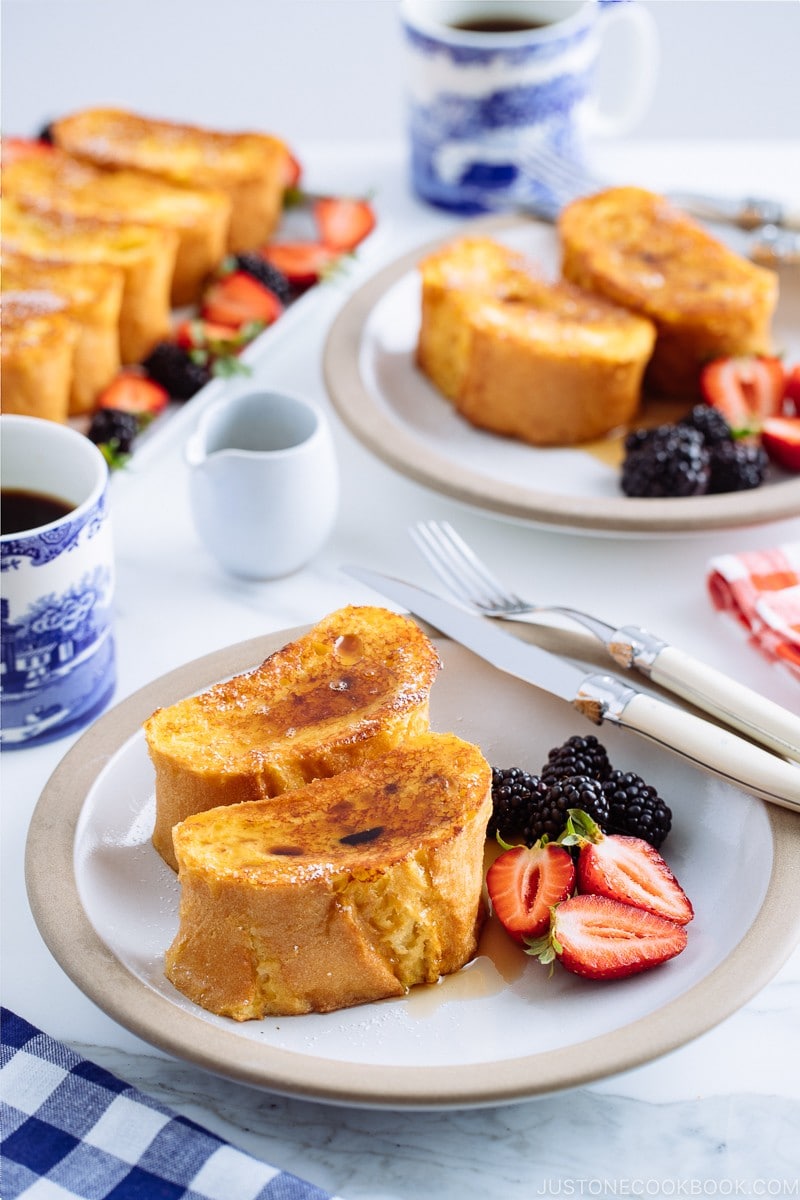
x=498, y=1031
x=397, y=414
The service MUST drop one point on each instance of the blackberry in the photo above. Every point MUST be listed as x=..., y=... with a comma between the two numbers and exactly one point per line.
x=711, y=423
x=45, y=134
x=576, y=791
x=737, y=466
x=114, y=427
x=264, y=272
x=577, y=756
x=635, y=808
x=516, y=797
x=174, y=368
x=672, y=461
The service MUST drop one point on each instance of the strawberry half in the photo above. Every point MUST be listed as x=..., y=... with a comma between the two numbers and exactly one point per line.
x=343, y=221
x=625, y=868
x=599, y=938
x=238, y=299
x=303, y=263
x=133, y=393
x=780, y=437
x=524, y=883
x=746, y=390
x=791, y=391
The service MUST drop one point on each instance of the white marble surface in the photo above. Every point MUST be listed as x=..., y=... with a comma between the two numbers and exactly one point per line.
x=716, y=1117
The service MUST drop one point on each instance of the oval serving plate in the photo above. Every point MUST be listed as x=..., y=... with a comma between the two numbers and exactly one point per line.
x=400, y=417
x=498, y=1031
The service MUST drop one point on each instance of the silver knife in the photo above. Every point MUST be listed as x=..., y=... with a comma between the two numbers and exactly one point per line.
x=601, y=697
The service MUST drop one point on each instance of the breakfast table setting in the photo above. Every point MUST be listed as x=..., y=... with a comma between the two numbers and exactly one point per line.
x=505, y=1079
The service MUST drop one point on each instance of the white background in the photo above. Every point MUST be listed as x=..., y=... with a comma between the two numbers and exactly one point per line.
x=728, y=69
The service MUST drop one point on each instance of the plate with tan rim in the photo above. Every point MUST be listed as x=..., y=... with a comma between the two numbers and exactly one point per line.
x=498, y=1031
x=394, y=410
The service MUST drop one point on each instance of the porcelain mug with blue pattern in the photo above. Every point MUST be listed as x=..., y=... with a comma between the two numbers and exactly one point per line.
x=490, y=81
x=56, y=584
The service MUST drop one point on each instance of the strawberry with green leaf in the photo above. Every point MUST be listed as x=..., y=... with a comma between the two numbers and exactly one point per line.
x=525, y=882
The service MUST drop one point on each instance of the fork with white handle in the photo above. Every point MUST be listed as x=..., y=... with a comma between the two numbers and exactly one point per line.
x=471, y=582
x=775, y=228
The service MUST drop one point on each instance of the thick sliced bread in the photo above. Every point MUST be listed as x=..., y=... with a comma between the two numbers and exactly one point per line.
x=353, y=687
x=36, y=355
x=519, y=355
x=145, y=256
x=251, y=168
x=348, y=890
x=637, y=250
x=92, y=293
x=56, y=182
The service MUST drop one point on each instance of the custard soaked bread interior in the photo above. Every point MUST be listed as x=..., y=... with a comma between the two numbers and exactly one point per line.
x=352, y=688
x=634, y=248
x=346, y=891
x=518, y=355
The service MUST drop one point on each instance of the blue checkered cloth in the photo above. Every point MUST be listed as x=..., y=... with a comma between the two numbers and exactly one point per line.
x=70, y=1129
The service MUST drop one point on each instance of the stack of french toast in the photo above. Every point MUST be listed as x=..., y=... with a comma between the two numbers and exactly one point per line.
x=107, y=228
x=645, y=299
x=329, y=845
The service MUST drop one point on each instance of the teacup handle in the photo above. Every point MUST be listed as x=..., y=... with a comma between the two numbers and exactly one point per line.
x=643, y=63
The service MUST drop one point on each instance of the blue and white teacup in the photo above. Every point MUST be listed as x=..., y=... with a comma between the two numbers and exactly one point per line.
x=491, y=82
x=58, y=666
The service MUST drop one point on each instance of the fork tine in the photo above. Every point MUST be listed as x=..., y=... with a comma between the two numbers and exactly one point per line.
x=561, y=175
x=460, y=568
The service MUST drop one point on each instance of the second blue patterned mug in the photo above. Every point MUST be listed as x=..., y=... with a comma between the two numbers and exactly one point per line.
x=490, y=82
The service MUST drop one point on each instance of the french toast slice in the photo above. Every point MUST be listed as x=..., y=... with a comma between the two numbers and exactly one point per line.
x=56, y=182
x=145, y=256
x=351, y=688
x=521, y=356
x=251, y=168
x=349, y=890
x=633, y=247
x=36, y=355
x=92, y=293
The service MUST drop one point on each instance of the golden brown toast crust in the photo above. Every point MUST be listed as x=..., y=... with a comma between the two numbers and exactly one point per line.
x=249, y=167
x=36, y=355
x=92, y=294
x=56, y=182
x=145, y=256
x=634, y=248
x=353, y=687
x=348, y=890
x=544, y=362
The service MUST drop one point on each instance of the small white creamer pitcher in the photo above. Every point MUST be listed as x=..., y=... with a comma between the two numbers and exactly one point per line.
x=264, y=484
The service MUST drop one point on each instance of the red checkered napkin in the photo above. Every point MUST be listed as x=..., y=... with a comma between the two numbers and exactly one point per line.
x=761, y=590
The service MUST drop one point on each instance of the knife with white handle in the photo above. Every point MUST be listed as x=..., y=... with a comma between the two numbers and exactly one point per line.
x=602, y=697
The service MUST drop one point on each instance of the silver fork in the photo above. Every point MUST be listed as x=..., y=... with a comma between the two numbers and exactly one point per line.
x=773, y=228
x=471, y=582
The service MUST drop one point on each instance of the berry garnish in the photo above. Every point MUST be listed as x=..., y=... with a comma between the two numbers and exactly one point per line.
x=525, y=882
x=780, y=437
x=238, y=299
x=114, y=431
x=343, y=221
x=635, y=808
x=737, y=466
x=174, y=368
x=302, y=263
x=577, y=756
x=710, y=422
x=262, y=270
x=134, y=393
x=599, y=938
x=746, y=390
x=672, y=460
x=625, y=868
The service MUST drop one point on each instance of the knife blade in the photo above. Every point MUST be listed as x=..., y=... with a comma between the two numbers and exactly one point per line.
x=601, y=697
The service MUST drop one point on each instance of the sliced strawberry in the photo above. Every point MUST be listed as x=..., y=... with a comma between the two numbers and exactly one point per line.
x=16, y=148
x=746, y=390
x=133, y=393
x=294, y=171
x=791, y=391
x=524, y=884
x=237, y=299
x=625, y=868
x=780, y=437
x=197, y=334
x=600, y=938
x=343, y=221
x=303, y=263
